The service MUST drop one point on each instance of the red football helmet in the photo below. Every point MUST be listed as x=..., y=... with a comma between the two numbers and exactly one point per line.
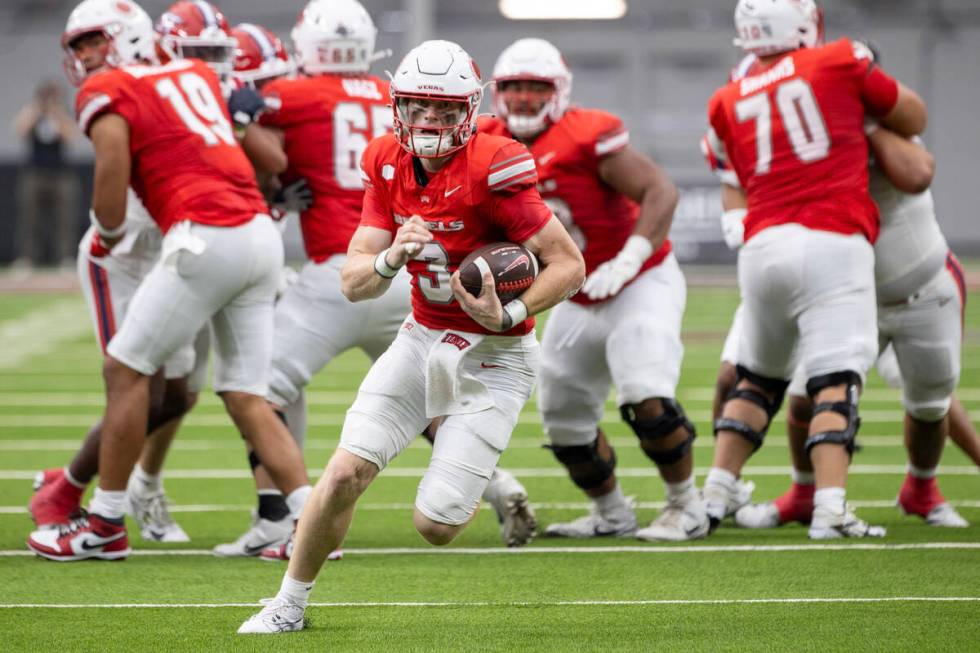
x=195, y=29
x=260, y=56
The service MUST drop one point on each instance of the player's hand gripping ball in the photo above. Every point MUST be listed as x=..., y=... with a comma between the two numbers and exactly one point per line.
x=513, y=266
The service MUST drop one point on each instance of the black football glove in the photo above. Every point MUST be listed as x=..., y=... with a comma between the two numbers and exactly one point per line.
x=245, y=105
x=297, y=196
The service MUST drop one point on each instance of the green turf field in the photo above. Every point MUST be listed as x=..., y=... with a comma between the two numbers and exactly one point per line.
x=918, y=589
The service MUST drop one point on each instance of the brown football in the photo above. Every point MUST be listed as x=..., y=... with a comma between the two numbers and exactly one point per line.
x=513, y=266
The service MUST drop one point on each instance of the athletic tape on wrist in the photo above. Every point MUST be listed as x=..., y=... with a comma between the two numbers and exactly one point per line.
x=110, y=234
x=515, y=312
x=381, y=266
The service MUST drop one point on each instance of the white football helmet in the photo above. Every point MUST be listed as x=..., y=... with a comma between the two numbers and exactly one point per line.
x=767, y=27
x=124, y=24
x=334, y=36
x=436, y=71
x=535, y=60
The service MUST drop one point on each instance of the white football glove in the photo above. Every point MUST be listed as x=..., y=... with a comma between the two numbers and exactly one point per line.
x=610, y=277
x=733, y=227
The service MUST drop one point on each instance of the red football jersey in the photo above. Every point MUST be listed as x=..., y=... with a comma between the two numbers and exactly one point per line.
x=485, y=194
x=793, y=134
x=599, y=219
x=328, y=121
x=187, y=164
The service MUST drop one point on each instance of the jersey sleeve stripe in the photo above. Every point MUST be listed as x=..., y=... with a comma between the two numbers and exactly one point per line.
x=612, y=144
x=508, y=173
x=528, y=177
x=523, y=155
x=91, y=108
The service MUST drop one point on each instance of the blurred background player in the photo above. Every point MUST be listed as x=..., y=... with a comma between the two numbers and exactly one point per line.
x=624, y=327
x=108, y=281
x=322, y=122
x=195, y=29
x=166, y=128
x=435, y=191
x=793, y=134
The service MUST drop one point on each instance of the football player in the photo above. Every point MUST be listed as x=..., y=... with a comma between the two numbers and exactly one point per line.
x=624, y=327
x=108, y=282
x=920, y=292
x=166, y=130
x=324, y=120
x=196, y=29
x=793, y=134
x=436, y=190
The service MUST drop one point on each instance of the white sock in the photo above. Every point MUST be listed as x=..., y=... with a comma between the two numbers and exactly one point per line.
x=149, y=483
x=610, y=501
x=719, y=476
x=110, y=504
x=831, y=498
x=802, y=478
x=297, y=499
x=74, y=481
x=296, y=592
x=682, y=492
x=921, y=472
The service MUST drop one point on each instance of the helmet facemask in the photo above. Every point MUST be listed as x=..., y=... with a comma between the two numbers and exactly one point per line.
x=432, y=127
x=217, y=50
x=528, y=104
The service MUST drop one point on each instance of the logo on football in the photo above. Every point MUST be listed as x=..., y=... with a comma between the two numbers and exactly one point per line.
x=513, y=266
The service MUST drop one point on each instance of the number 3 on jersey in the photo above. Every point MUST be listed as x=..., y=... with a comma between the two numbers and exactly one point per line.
x=802, y=120
x=351, y=125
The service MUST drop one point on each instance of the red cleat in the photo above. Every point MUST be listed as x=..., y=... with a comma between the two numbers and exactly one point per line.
x=85, y=536
x=796, y=504
x=55, y=499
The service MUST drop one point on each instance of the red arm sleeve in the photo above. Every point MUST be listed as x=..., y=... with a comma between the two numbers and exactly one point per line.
x=879, y=91
x=521, y=214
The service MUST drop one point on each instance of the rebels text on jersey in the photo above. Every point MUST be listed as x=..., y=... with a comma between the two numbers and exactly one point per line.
x=598, y=218
x=327, y=122
x=187, y=164
x=485, y=194
x=793, y=134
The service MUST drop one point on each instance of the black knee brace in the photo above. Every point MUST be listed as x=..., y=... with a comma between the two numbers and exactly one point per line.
x=775, y=387
x=847, y=408
x=586, y=467
x=660, y=427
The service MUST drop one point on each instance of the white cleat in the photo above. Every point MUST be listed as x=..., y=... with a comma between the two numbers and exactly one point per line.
x=758, y=515
x=722, y=500
x=828, y=525
x=618, y=523
x=262, y=535
x=277, y=616
x=741, y=497
x=518, y=523
x=678, y=523
x=152, y=513
x=945, y=516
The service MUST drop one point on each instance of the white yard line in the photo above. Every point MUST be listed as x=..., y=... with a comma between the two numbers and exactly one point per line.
x=202, y=420
x=551, y=550
x=527, y=472
x=546, y=505
x=41, y=331
x=517, y=442
x=514, y=604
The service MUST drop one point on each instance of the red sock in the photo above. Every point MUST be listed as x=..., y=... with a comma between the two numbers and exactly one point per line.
x=919, y=495
x=796, y=504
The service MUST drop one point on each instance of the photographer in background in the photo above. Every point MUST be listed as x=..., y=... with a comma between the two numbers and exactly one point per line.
x=48, y=189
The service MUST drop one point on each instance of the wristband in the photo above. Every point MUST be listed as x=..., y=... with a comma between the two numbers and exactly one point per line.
x=381, y=266
x=106, y=234
x=515, y=312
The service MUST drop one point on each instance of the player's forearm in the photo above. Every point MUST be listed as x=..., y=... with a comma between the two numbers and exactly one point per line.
x=558, y=280
x=657, y=213
x=906, y=164
x=264, y=150
x=359, y=280
x=110, y=140
x=909, y=115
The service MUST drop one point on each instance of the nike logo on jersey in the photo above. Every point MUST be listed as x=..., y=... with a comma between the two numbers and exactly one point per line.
x=545, y=158
x=450, y=192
